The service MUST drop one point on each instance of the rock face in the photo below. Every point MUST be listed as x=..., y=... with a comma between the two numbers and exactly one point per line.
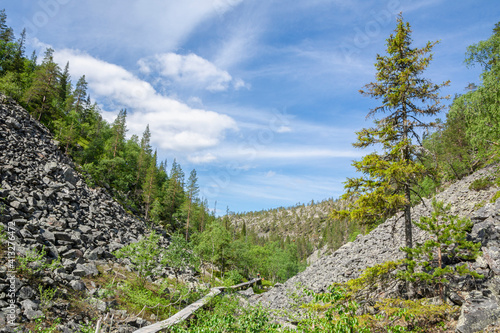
x=480, y=309
x=44, y=203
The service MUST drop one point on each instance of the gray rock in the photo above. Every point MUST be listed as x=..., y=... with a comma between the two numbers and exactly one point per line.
x=78, y=285
x=50, y=167
x=478, y=312
x=26, y=292
x=12, y=123
x=249, y=292
x=32, y=314
x=49, y=236
x=71, y=254
x=29, y=304
x=70, y=176
x=79, y=272
x=88, y=269
x=63, y=236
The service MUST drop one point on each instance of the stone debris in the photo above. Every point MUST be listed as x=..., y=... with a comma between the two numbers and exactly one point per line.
x=47, y=205
x=383, y=243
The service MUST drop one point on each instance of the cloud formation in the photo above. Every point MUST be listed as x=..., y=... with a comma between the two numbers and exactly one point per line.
x=191, y=70
x=174, y=125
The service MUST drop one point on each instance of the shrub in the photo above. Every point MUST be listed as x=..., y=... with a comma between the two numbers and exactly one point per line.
x=448, y=242
x=480, y=184
x=143, y=254
x=35, y=261
x=495, y=197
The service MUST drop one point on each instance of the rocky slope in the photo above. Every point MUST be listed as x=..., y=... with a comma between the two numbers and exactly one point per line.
x=45, y=204
x=292, y=221
x=480, y=307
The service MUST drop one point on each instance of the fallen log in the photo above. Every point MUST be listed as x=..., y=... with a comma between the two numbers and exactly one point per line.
x=190, y=309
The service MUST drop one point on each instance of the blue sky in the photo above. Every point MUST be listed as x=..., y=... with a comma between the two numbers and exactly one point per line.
x=260, y=97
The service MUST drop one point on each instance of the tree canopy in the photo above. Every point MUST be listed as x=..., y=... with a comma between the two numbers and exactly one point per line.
x=388, y=176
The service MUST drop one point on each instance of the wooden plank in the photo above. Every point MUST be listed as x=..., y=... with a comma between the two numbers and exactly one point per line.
x=181, y=315
x=190, y=309
x=245, y=284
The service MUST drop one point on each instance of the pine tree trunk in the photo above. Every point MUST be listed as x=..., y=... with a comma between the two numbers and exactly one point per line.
x=187, y=222
x=408, y=231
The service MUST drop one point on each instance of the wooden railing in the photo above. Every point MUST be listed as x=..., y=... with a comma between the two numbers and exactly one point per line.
x=190, y=309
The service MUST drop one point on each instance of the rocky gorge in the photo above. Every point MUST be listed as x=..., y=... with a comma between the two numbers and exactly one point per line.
x=46, y=207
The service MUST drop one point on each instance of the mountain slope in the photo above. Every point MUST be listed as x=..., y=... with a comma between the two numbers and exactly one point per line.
x=383, y=244
x=46, y=206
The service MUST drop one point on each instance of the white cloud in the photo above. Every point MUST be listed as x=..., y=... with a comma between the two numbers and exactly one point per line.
x=174, y=125
x=241, y=41
x=191, y=70
x=304, y=153
x=201, y=158
x=283, y=129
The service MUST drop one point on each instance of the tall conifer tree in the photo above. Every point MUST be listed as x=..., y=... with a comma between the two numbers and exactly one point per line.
x=44, y=89
x=192, y=191
x=149, y=187
x=388, y=177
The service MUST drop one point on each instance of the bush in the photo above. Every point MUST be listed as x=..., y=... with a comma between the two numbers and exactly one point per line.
x=34, y=262
x=338, y=313
x=495, y=197
x=448, y=243
x=232, y=277
x=480, y=184
x=143, y=254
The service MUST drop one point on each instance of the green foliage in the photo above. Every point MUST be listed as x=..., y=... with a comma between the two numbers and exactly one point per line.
x=388, y=178
x=143, y=254
x=477, y=112
x=480, y=184
x=35, y=262
x=448, y=243
x=226, y=315
x=480, y=204
x=46, y=296
x=452, y=153
x=397, y=315
x=424, y=189
x=178, y=254
x=136, y=297
x=338, y=313
x=146, y=254
x=232, y=278
x=493, y=199
x=213, y=245
x=3, y=234
x=42, y=327
x=374, y=277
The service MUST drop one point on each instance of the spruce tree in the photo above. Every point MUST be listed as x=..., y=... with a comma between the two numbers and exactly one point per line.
x=149, y=187
x=388, y=177
x=80, y=95
x=144, y=154
x=448, y=242
x=119, y=128
x=192, y=191
x=44, y=90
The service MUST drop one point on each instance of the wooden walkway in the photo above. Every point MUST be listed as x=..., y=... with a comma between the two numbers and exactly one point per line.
x=190, y=309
